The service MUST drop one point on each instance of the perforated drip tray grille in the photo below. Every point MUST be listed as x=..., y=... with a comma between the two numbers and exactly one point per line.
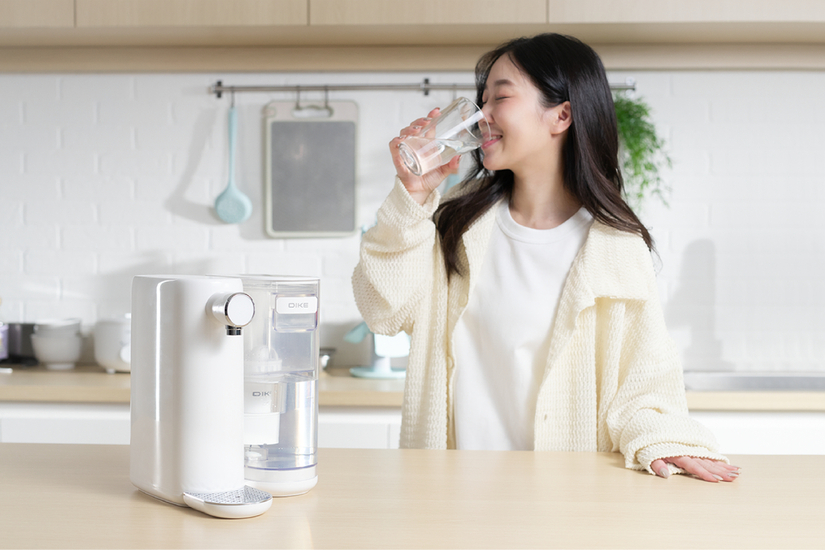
x=246, y=495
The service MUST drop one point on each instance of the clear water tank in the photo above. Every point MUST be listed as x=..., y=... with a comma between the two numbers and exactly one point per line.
x=281, y=384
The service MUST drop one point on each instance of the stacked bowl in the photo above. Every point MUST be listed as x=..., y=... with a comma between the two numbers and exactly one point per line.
x=57, y=343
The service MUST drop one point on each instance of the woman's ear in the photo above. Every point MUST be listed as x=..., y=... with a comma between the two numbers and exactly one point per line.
x=563, y=117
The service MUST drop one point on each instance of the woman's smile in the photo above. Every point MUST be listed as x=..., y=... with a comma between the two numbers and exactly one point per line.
x=492, y=140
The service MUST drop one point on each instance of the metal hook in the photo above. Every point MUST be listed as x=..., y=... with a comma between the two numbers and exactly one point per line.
x=232, y=103
x=326, y=98
x=455, y=87
x=298, y=98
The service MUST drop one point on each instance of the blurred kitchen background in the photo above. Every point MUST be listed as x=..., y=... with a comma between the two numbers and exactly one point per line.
x=109, y=176
x=108, y=172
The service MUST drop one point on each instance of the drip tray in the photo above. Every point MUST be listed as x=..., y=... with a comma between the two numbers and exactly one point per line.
x=754, y=381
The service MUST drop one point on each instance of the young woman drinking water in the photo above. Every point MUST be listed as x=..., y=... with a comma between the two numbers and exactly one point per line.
x=529, y=291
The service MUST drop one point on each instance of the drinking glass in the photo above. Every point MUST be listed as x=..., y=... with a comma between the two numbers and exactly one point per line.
x=458, y=129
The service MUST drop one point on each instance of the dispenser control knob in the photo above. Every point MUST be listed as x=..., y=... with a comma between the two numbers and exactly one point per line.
x=233, y=310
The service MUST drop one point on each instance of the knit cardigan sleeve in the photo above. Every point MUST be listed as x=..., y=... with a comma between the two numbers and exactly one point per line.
x=648, y=417
x=395, y=269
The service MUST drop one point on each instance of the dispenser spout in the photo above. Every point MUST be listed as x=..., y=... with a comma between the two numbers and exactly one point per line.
x=232, y=310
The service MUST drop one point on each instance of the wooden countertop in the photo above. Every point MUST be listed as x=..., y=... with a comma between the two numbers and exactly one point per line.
x=91, y=384
x=79, y=496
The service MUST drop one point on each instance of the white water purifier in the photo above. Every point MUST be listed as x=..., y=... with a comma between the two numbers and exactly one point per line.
x=187, y=393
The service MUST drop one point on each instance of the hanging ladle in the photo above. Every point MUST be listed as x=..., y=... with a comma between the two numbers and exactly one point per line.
x=232, y=206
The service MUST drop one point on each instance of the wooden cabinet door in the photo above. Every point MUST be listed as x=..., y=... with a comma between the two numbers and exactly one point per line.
x=426, y=12
x=190, y=13
x=36, y=13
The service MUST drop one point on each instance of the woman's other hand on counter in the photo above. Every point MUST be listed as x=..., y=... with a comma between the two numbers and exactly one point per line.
x=703, y=468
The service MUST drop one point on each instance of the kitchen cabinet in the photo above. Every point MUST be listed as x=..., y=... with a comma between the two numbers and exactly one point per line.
x=190, y=13
x=767, y=433
x=393, y=35
x=109, y=424
x=426, y=12
x=86, y=405
x=22, y=14
x=84, y=423
x=752, y=432
x=359, y=427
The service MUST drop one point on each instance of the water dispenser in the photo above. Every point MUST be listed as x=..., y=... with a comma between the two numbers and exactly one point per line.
x=281, y=384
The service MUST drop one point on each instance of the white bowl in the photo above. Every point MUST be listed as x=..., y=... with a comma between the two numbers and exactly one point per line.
x=57, y=352
x=113, y=339
x=57, y=327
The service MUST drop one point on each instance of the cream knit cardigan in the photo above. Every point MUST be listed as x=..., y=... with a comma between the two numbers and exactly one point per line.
x=613, y=380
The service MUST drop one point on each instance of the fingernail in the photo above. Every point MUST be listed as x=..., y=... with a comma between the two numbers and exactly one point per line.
x=734, y=474
x=717, y=477
x=664, y=472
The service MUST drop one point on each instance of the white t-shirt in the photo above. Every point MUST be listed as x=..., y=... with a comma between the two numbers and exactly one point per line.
x=502, y=340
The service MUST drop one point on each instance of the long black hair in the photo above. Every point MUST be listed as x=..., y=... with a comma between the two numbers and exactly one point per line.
x=563, y=69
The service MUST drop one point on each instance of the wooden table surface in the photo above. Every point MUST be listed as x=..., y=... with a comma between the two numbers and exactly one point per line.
x=79, y=496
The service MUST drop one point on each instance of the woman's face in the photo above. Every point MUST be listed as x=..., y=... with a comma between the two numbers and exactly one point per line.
x=521, y=128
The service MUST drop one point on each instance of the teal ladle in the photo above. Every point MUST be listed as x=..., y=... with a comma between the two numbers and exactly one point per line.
x=232, y=206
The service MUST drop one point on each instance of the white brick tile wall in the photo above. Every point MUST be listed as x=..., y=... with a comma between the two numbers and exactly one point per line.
x=96, y=237
x=59, y=114
x=23, y=137
x=63, y=262
x=103, y=177
x=134, y=164
x=172, y=238
x=97, y=188
x=135, y=212
x=11, y=112
x=147, y=113
x=11, y=262
x=11, y=211
x=44, y=163
x=98, y=138
x=59, y=211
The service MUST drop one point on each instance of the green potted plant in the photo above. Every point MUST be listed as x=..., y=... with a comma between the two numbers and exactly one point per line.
x=642, y=156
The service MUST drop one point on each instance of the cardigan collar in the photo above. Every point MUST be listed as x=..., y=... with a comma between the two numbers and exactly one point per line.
x=611, y=263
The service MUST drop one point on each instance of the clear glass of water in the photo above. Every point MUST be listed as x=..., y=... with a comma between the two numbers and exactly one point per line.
x=458, y=129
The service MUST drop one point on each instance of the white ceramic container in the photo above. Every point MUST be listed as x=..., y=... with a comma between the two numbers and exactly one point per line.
x=57, y=327
x=57, y=352
x=113, y=343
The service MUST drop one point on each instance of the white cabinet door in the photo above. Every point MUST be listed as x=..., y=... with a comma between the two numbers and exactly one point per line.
x=359, y=427
x=770, y=433
x=98, y=423
x=108, y=424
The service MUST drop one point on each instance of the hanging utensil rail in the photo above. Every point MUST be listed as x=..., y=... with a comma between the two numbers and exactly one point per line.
x=425, y=87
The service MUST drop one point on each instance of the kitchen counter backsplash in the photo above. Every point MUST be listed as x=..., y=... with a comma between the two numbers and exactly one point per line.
x=103, y=177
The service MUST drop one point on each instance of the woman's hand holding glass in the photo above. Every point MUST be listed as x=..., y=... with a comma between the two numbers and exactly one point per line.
x=420, y=187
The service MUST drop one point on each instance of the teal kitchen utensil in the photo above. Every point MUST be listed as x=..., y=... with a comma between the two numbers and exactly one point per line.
x=232, y=206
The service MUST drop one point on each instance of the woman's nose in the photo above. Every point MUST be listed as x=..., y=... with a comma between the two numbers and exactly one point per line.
x=487, y=111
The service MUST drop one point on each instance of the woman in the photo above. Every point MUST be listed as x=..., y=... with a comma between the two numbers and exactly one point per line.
x=529, y=293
